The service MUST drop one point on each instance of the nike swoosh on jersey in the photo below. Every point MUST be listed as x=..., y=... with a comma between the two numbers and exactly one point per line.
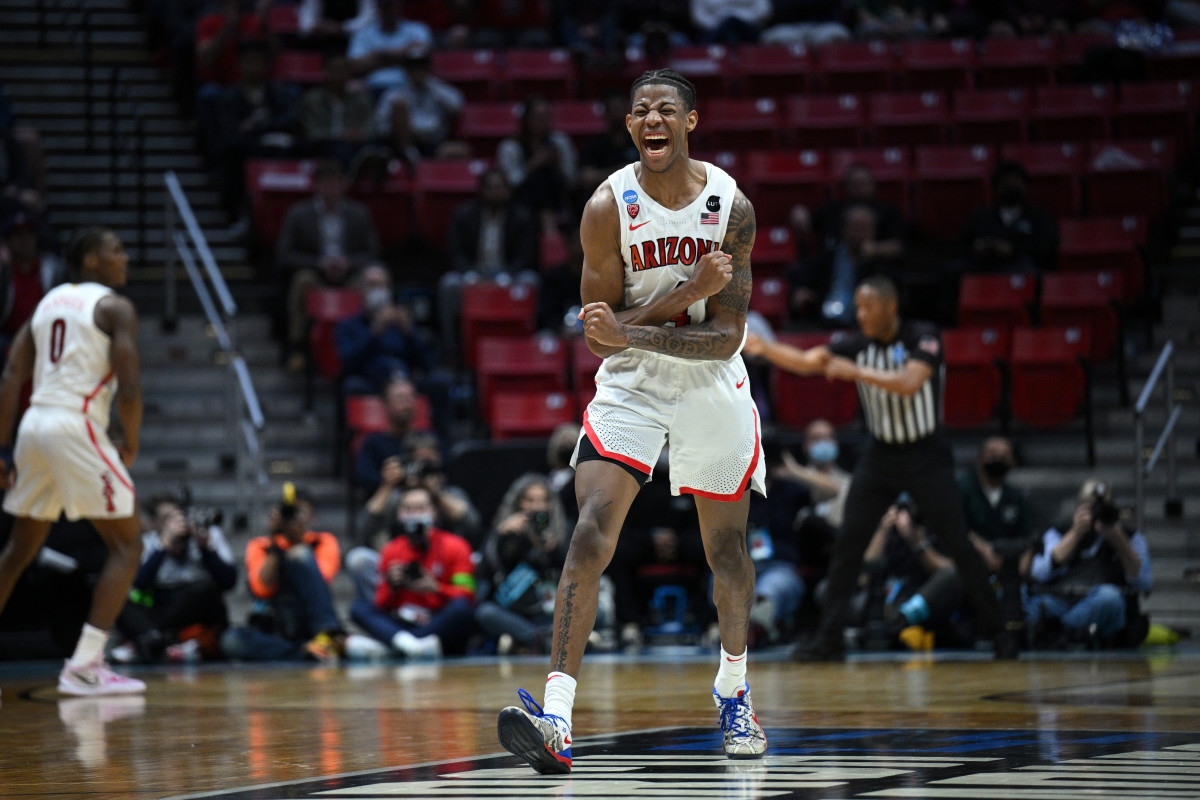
x=742, y=382
x=633, y=227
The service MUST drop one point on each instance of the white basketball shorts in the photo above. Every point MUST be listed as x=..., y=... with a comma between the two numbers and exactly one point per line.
x=66, y=464
x=703, y=409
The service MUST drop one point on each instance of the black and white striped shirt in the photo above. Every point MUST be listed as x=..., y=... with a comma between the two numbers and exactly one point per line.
x=892, y=418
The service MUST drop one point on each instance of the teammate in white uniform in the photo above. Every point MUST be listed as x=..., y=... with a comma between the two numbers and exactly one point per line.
x=666, y=284
x=80, y=349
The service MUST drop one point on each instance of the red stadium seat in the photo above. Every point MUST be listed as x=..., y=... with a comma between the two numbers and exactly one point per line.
x=1178, y=63
x=951, y=183
x=937, y=64
x=769, y=297
x=439, y=187
x=298, y=66
x=996, y=301
x=483, y=125
x=283, y=20
x=491, y=310
x=326, y=307
x=1129, y=176
x=856, y=66
x=781, y=179
x=1088, y=300
x=891, y=166
x=1044, y=358
x=530, y=414
x=391, y=207
x=973, y=382
x=475, y=73
x=991, y=116
x=773, y=251
x=579, y=119
x=1068, y=113
x=584, y=364
x=908, y=118
x=825, y=120
x=509, y=14
x=708, y=66
x=1105, y=243
x=729, y=160
x=367, y=413
x=509, y=364
x=1158, y=109
x=1017, y=63
x=550, y=73
x=749, y=123
x=1055, y=174
x=776, y=70
x=1073, y=50
x=799, y=399
x=273, y=186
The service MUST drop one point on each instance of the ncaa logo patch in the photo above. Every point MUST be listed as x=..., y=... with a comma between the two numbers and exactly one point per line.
x=630, y=196
x=633, y=209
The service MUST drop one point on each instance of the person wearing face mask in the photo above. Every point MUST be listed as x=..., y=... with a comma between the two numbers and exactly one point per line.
x=1012, y=234
x=817, y=525
x=424, y=605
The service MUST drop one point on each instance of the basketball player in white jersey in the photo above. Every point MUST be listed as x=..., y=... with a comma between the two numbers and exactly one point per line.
x=666, y=283
x=80, y=349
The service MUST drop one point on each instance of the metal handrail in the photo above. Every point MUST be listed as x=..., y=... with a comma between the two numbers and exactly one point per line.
x=185, y=244
x=1144, y=466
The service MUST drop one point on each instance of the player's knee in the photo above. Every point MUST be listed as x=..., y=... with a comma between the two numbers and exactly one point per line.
x=590, y=547
x=727, y=555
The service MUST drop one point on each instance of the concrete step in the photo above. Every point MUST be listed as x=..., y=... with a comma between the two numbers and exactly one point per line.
x=100, y=161
x=190, y=379
x=213, y=218
x=191, y=327
x=200, y=196
x=280, y=408
x=154, y=143
x=155, y=126
x=258, y=355
x=70, y=38
x=76, y=90
x=49, y=110
x=79, y=179
x=167, y=463
x=97, y=18
x=10, y=73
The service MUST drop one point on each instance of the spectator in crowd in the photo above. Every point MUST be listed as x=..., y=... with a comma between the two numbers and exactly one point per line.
x=323, y=242
x=911, y=579
x=400, y=404
x=607, y=152
x=488, y=238
x=26, y=274
x=1085, y=576
x=423, y=606
x=822, y=287
x=382, y=340
x=809, y=22
x=221, y=35
x=540, y=163
x=18, y=186
x=177, y=605
x=892, y=19
x=334, y=19
x=825, y=479
x=998, y=521
x=377, y=50
x=419, y=464
x=256, y=116
x=730, y=22
x=1012, y=234
x=172, y=26
x=289, y=571
x=522, y=557
x=418, y=117
x=828, y=220
x=337, y=118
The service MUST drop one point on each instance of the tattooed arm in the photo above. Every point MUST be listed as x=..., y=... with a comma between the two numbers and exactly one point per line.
x=720, y=335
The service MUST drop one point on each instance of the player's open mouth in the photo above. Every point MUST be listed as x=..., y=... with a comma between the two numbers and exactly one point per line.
x=656, y=143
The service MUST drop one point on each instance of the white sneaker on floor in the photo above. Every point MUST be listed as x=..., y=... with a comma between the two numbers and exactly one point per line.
x=95, y=679
x=418, y=647
x=743, y=736
x=365, y=648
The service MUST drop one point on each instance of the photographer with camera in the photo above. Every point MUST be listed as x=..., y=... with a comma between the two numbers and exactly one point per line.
x=1086, y=576
x=522, y=558
x=290, y=570
x=177, y=607
x=423, y=604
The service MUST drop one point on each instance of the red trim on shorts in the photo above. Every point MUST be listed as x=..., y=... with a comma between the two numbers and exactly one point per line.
x=95, y=444
x=728, y=498
x=595, y=439
x=87, y=400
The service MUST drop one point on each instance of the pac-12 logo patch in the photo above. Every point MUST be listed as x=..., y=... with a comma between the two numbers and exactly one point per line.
x=633, y=208
x=630, y=196
x=713, y=203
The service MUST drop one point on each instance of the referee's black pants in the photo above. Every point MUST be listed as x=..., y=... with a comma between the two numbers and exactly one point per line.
x=926, y=471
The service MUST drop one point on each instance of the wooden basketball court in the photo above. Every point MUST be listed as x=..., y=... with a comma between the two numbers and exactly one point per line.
x=964, y=726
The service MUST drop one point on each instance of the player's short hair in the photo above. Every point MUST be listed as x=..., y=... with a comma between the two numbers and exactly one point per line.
x=882, y=285
x=83, y=243
x=667, y=77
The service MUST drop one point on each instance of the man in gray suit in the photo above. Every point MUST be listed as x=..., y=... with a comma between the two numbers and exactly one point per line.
x=324, y=242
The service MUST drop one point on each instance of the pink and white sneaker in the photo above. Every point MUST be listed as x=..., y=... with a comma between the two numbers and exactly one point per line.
x=96, y=679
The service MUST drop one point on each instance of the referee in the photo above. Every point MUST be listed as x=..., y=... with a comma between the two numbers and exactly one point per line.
x=897, y=365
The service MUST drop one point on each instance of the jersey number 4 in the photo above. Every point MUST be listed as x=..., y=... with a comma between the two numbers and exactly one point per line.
x=58, y=337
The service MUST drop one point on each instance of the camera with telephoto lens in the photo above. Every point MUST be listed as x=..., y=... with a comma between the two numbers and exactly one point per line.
x=1104, y=510
x=420, y=470
x=413, y=571
x=201, y=518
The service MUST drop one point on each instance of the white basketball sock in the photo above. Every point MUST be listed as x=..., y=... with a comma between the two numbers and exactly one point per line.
x=731, y=676
x=560, y=695
x=90, y=646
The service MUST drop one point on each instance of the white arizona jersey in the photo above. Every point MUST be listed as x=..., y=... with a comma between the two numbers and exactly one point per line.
x=660, y=246
x=72, y=368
